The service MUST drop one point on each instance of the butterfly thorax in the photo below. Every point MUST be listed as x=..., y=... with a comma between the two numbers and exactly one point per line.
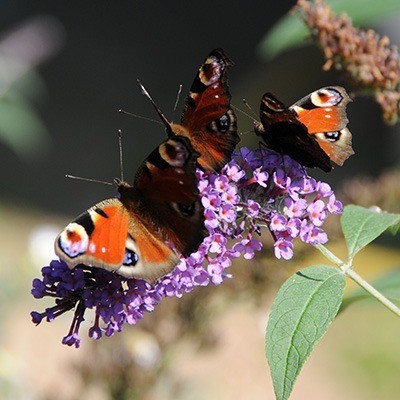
x=180, y=130
x=135, y=203
x=214, y=142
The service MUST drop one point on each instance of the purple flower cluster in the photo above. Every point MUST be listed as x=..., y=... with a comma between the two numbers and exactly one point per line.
x=257, y=188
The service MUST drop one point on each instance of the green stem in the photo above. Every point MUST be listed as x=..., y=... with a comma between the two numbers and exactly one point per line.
x=371, y=290
x=349, y=271
x=329, y=255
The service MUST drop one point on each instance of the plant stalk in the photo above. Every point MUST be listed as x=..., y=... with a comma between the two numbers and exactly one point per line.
x=371, y=290
x=349, y=271
x=329, y=255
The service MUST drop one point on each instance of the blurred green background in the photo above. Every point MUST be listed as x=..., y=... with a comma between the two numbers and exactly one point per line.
x=65, y=70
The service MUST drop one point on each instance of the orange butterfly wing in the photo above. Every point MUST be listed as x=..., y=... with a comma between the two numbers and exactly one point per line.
x=96, y=237
x=208, y=119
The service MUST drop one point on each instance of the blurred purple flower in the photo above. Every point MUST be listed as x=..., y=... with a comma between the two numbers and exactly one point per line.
x=257, y=188
x=247, y=247
x=317, y=212
x=283, y=249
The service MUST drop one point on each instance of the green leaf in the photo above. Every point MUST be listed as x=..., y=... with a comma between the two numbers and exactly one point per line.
x=388, y=285
x=290, y=31
x=361, y=226
x=303, y=309
x=21, y=127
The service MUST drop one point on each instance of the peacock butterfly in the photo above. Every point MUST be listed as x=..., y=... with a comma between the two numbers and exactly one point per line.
x=207, y=118
x=133, y=235
x=312, y=131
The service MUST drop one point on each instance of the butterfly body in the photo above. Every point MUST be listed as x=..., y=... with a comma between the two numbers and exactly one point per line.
x=312, y=131
x=141, y=233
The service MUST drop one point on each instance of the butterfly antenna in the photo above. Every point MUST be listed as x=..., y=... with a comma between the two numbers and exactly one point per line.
x=160, y=114
x=80, y=178
x=121, y=111
x=121, y=166
x=178, y=95
x=249, y=107
x=245, y=113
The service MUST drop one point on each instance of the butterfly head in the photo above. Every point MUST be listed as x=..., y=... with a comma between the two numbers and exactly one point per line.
x=258, y=128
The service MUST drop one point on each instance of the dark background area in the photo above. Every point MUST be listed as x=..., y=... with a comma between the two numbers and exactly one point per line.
x=108, y=45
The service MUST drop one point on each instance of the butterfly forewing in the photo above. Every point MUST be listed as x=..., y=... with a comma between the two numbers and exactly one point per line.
x=97, y=236
x=208, y=119
x=323, y=110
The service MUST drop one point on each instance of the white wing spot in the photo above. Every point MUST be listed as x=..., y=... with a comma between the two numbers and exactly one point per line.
x=92, y=248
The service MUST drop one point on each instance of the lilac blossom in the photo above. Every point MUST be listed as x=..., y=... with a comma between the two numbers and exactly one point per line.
x=256, y=189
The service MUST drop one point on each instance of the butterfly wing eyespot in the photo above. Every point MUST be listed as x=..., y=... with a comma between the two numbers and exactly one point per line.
x=212, y=69
x=336, y=144
x=73, y=240
x=326, y=97
x=186, y=210
x=220, y=125
x=223, y=123
x=174, y=153
x=146, y=256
